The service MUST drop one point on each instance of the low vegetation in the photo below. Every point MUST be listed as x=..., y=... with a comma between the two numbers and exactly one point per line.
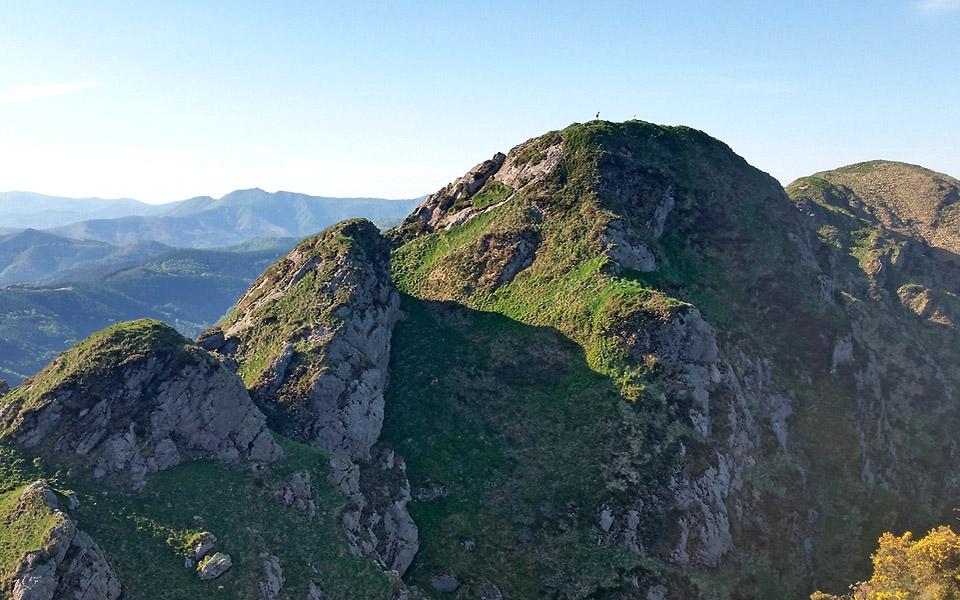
x=905, y=568
x=143, y=532
x=511, y=442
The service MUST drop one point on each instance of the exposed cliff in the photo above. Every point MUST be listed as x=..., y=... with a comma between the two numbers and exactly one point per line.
x=56, y=560
x=312, y=340
x=137, y=398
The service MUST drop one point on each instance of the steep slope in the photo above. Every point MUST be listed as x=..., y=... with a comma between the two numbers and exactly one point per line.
x=692, y=282
x=884, y=259
x=177, y=478
x=237, y=217
x=311, y=339
x=57, y=560
x=137, y=398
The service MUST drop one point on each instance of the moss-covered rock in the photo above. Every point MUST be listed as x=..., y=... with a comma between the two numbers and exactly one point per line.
x=53, y=558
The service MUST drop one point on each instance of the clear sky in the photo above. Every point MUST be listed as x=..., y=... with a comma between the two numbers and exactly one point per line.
x=161, y=101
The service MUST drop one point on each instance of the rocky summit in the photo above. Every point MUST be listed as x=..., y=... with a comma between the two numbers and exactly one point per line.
x=614, y=362
x=312, y=339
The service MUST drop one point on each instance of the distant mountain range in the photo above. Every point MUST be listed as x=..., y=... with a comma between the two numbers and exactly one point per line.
x=201, y=222
x=33, y=256
x=22, y=210
x=139, y=260
x=187, y=288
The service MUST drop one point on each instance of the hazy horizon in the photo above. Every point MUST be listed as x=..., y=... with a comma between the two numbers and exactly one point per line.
x=161, y=103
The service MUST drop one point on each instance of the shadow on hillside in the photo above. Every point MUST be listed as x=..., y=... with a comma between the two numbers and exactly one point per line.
x=512, y=444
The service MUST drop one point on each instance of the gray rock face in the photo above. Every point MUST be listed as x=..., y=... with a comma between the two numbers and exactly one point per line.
x=215, y=566
x=525, y=164
x=273, y=579
x=517, y=172
x=445, y=584
x=707, y=499
x=314, y=592
x=324, y=380
x=378, y=524
x=73, y=566
x=627, y=249
x=298, y=494
x=325, y=385
x=148, y=414
x=435, y=213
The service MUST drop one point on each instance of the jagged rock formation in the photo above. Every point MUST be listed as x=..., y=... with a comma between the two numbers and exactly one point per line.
x=378, y=524
x=137, y=398
x=485, y=187
x=735, y=318
x=312, y=339
x=70, y=565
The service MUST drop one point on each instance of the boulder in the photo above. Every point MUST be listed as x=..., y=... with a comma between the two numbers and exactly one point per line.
x=215, y=566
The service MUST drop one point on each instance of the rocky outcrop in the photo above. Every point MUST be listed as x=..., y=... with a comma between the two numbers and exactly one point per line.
x=297, y=493
x=214, y=566
x=451, y=206
x=312, y=338
x=273, y=580
x=201, y=545
x=486, y=186
x=378, y=523
x=138, y=398
x=627, y=250
x=70, y=566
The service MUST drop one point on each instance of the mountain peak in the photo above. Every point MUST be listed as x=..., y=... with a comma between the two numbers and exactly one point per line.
x=329, y=301
x=903, y=197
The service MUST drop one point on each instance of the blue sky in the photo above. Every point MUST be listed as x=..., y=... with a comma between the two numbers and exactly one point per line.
x=167, y=100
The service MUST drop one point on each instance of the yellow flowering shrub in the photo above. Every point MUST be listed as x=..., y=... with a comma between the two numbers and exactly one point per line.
x=904, y=569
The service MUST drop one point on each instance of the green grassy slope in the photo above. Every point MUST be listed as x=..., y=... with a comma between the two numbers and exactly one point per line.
x=144, y=534
x=523, y=438
x=27, y=523
x=760, y=272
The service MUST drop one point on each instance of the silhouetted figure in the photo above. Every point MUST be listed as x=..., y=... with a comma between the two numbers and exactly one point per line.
x=598, y=115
